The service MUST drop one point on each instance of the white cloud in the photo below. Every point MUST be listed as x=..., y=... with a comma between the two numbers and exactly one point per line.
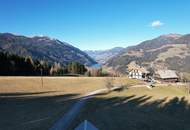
x=156, y=23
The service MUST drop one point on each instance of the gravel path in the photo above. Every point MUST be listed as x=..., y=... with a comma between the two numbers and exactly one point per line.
x=64, y=122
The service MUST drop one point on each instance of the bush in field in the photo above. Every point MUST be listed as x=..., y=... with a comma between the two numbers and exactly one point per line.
x=109, y=83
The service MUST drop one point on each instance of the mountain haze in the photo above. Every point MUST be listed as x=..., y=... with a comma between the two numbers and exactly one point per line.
x=102, y=56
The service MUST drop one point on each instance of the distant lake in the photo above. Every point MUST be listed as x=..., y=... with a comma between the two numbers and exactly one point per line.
x=96, y=66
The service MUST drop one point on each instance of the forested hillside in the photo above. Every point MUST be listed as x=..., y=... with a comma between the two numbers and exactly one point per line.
x=14, y=65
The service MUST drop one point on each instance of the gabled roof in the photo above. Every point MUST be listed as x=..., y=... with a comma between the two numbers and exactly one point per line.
x=86, y=125
x=133, y=66
x=166, y=74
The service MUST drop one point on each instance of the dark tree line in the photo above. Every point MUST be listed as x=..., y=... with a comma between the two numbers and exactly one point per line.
x=71, y=68
x=14, y=65
x=76, y=68
x=11, y=64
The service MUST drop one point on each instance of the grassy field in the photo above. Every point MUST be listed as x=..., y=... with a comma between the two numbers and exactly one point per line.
x=161, y=108
x=26, y=105
x=187, y=76
x=66, y=85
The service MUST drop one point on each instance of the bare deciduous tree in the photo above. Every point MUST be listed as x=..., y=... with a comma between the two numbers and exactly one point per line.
x=109, y=83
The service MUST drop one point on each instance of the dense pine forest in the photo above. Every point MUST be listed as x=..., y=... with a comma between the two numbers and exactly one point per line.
x=14, y=65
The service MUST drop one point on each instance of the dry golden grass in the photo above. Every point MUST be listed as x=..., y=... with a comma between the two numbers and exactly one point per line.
x=180, y=50
x=166, y=108
x=26, y=105
x=133, y=108
x=58, y=85
x=157, y=93
x=187, y=76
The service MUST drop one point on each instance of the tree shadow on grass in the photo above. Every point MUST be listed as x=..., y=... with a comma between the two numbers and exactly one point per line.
x=28, y=112
x=136, y=113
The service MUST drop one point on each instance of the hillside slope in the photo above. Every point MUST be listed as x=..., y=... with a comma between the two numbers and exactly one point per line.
x=170, y=51
x=43, y=48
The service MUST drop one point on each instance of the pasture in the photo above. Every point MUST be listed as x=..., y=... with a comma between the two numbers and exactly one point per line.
x=161, y=108
x=27, y=105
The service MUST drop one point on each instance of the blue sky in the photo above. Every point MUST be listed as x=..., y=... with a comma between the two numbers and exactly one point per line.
x=95, y=24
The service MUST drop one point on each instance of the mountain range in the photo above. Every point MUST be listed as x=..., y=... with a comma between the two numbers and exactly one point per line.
x=171, y=51
x=43, y=48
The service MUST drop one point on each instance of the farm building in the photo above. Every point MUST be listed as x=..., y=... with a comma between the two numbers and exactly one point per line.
x=140, y=73
x=167, y=76
x=137, y=72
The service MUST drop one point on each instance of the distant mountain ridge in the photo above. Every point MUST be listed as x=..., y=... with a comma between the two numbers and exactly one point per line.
x=102, y=56
x=156, y=42
x=170, y=51
x=43, y=48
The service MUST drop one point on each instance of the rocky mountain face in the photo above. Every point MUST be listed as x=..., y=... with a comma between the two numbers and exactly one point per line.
x=102, y=56
x=170, y=51
x=43, y=48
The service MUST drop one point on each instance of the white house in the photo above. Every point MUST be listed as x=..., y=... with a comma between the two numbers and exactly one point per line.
x=136, y=72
